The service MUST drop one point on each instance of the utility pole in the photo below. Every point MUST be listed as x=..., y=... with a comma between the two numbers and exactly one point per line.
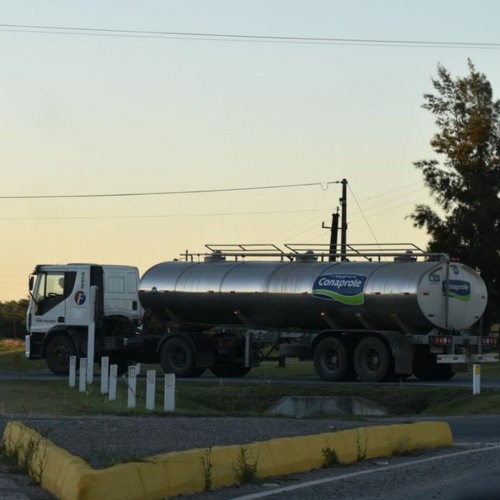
x=334, y=231
x=334, y=228
x=343, y=226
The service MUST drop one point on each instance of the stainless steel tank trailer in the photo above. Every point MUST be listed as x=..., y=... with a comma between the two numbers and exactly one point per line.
x=371, y=312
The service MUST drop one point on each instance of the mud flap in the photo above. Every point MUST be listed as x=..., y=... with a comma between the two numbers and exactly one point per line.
x=402, y=352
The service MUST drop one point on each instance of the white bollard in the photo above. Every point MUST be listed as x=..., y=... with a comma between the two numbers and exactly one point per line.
x=132, y=386
x=476, y=380
x=113, y=375
x=150, y=389
x=83, y=375
x=91, y=335
x=72, y=371
x=169, y=404
x=138, y=369
x=104, y=374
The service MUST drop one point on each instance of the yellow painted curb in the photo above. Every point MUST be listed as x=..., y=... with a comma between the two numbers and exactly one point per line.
x=71, y=478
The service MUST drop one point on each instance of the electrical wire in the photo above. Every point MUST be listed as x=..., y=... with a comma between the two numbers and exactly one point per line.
x=401, y=188
x=362, y=213
x=231, y=37
x=391, y=200
x=323, y=185
x=161, y=216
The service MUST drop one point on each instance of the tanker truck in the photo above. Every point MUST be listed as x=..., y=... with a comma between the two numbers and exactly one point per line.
x=373, y=315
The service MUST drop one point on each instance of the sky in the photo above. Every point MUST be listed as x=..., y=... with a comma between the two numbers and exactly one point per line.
x=203, y=119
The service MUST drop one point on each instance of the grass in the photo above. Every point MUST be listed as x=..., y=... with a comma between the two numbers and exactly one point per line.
x=55, y=397
x=12, y=357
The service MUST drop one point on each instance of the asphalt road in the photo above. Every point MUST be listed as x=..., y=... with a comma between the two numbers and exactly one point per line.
x=460, y=380
x=468, y=470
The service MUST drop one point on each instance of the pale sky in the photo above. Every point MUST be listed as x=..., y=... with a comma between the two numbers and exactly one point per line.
x=89, y=114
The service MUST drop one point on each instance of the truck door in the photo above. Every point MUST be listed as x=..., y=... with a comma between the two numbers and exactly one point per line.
x=50, y=295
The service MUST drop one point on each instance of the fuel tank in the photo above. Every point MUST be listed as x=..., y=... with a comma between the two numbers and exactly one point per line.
x=408, y=296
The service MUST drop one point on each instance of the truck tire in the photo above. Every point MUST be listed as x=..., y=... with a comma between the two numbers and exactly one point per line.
x=373, y=361
x=178, y=356
x=333, y=360
x=230, y=371
x=57, y=353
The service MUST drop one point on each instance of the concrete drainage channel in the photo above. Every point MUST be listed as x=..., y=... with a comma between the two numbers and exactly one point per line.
x=308, y=406
x=70, y=478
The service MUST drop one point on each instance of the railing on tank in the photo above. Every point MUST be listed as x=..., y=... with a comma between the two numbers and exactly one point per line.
x=301, y=252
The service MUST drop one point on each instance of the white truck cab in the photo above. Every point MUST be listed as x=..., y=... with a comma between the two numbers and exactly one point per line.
x=61, y=307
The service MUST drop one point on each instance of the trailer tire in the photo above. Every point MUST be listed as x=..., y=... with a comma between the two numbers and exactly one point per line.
x=333, y=360
x=178, y=356
x=373, y=361
x=59, y=349
x=230, y=371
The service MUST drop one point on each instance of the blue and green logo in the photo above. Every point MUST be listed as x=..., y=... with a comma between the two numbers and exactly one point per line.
x=345, y=288
x=457, y=289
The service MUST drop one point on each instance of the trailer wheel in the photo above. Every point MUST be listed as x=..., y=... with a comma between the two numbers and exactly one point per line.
x=230, y=371
x=333, y=360
x=373, y=361
x=178, y=356
x=59, y=349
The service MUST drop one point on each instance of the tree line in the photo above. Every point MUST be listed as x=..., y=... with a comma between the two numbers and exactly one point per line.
x=13, y=319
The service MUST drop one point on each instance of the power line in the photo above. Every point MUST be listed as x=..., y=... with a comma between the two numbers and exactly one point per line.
x=394, y=190
x=236, y=214
x=231, y=37
x=393, y=199
x=161, y=216
x=323, y=185
x=390, y=209
x=364, y=217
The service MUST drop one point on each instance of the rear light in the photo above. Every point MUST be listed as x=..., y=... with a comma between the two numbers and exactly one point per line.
x=442, y=340
x=490, y=341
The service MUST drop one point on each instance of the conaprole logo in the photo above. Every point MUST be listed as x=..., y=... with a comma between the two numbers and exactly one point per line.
x=345, y=288
x=80, y=297
x=457, y=289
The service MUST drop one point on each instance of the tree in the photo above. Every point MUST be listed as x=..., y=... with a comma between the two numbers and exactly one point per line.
x=465, y=186
x=12, y=318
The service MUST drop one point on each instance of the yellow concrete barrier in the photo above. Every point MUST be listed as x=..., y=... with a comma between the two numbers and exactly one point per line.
x=71, y=478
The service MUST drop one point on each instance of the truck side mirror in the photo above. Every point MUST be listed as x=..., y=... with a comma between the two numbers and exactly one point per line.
x=31, y=282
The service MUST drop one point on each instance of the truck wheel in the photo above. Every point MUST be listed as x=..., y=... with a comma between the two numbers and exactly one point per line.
x=230, y=371
x=59, y=349
x=372, y=360
x=333, y=360
x=178, y=356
